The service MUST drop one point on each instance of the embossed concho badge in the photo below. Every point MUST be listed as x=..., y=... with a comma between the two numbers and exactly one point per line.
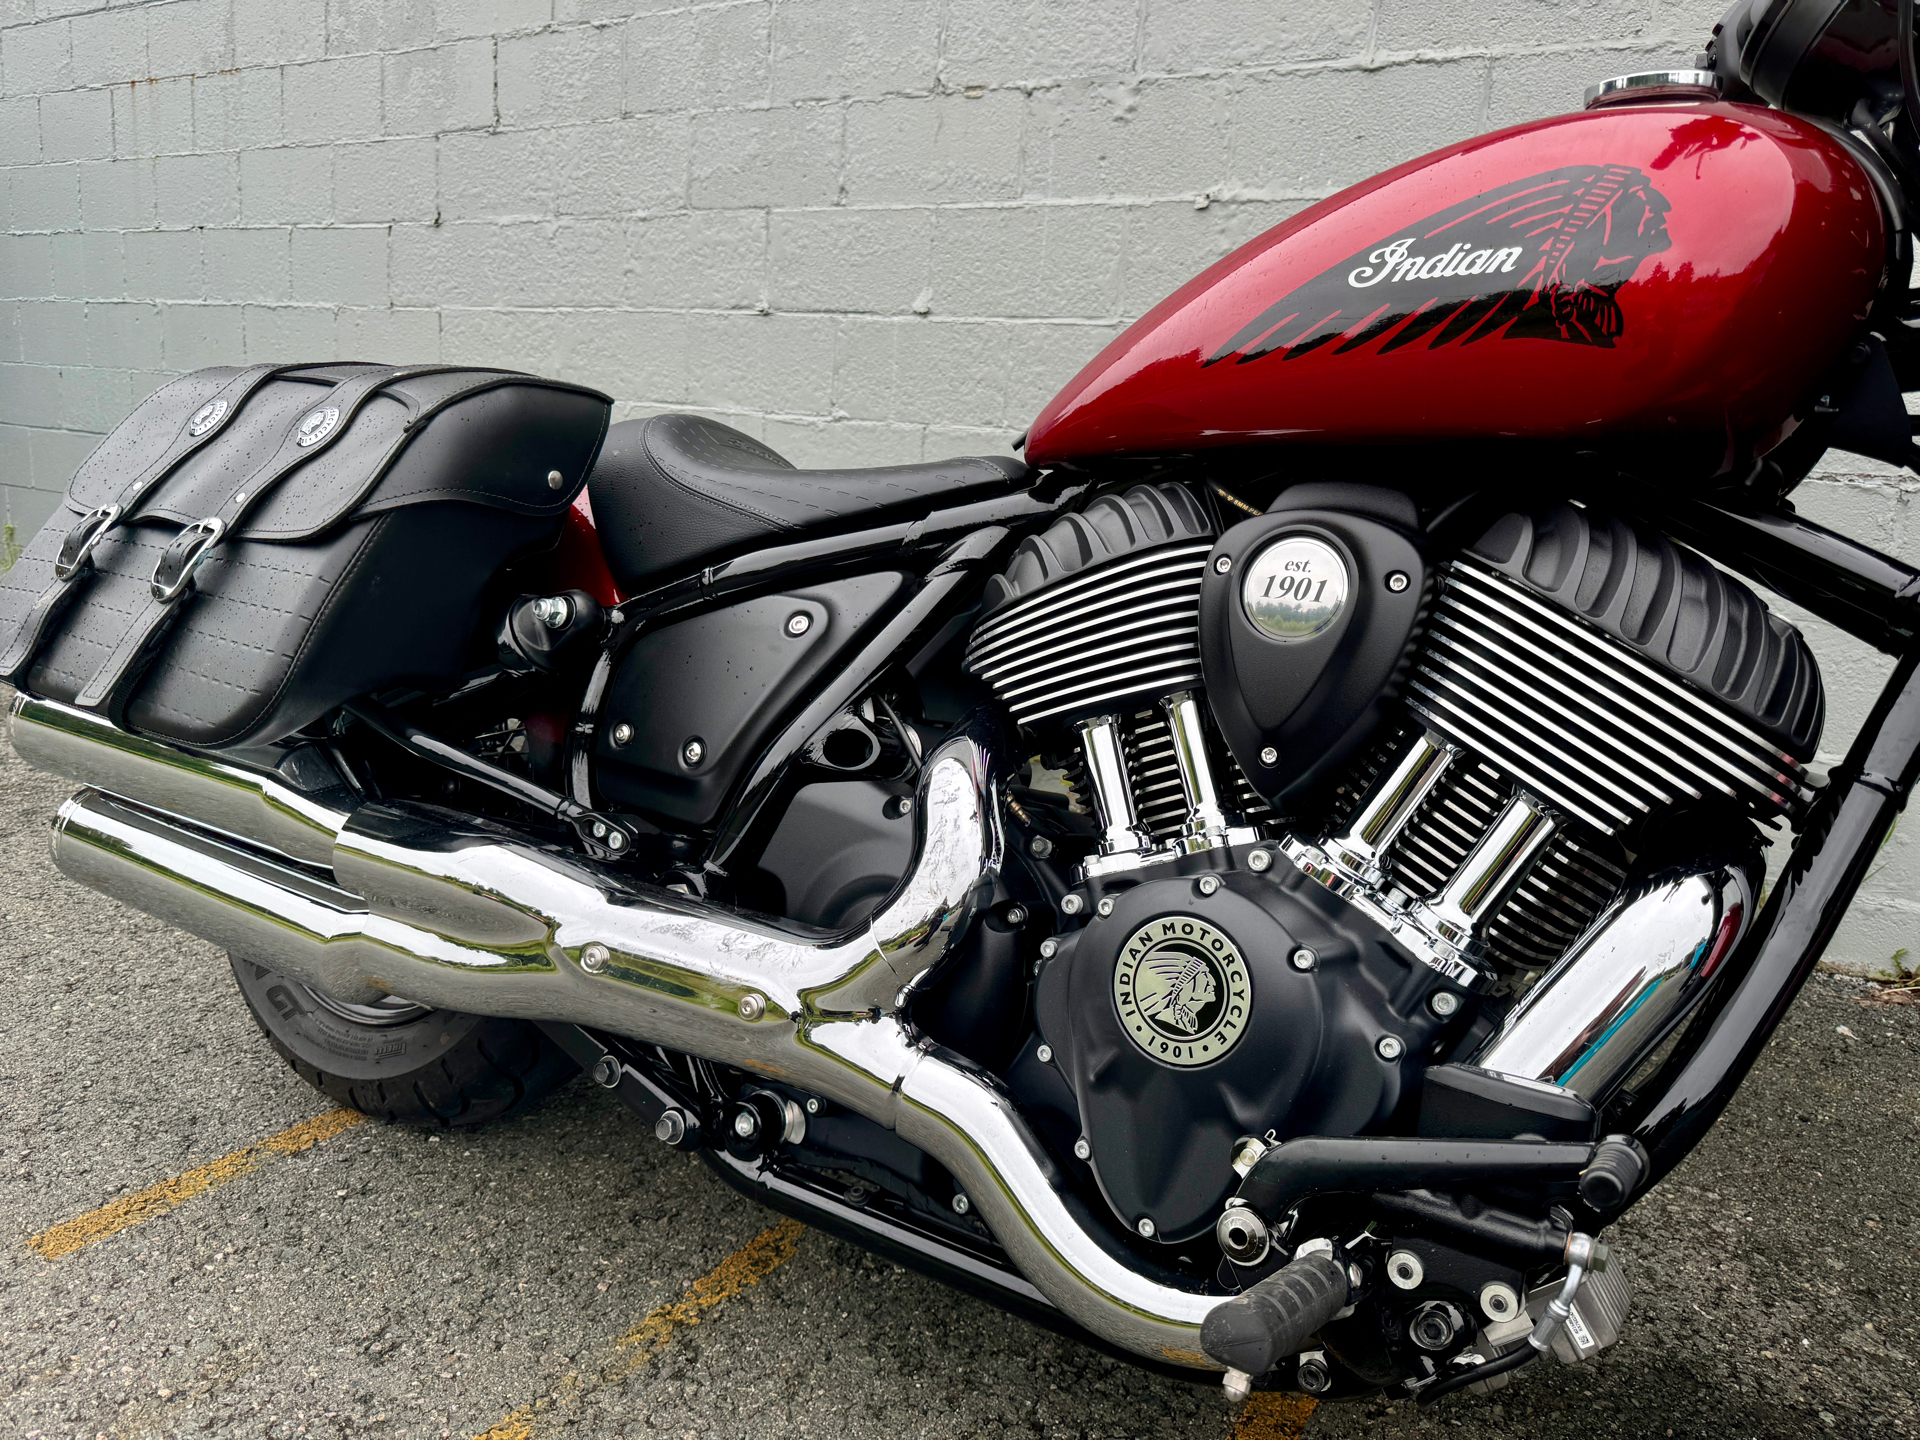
x=318, y=426
x=1182, y=991
x=207, y=417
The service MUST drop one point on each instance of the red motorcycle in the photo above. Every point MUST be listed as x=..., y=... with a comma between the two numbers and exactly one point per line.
x=1258, y=884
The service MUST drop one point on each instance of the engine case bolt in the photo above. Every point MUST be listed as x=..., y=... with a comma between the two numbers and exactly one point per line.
x=1050, y=948
x=799, y=623
x=1145, y=1226
x=671, y=1128
x=813, y=1105
x=1397, y=581
x=1499, y=1302
x=1083, y=1150
x=594, y=959
x=693, y=751
x=1207, y=885
x=746, y=1123
x=1106, y=907
x=1404, y=1270
x=615, y=840
x=623, y=733
x=1017, y=915
x=1434, y=1325
x=1071, y=904
x=1444, y=1003
x=1269, y=755
x=1303, y=959
x=1312, y=1375
x=752, y=1006
x=600, y=830
x=1259, y=860
x=1389, y=1048
x=961, y=1204
x=607, y=1072
x=1223, y=564
x=1040, y=848
x=1044, y=1054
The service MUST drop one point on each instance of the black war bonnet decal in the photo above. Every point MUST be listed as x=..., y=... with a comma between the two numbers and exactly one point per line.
x=1537, y=259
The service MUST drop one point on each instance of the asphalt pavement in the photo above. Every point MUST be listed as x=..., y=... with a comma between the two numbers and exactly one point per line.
x=191, y=1243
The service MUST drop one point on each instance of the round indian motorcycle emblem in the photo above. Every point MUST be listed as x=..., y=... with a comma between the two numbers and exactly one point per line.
x=1182, y=991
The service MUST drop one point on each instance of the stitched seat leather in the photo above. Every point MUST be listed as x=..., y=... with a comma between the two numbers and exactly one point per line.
x=676, y=491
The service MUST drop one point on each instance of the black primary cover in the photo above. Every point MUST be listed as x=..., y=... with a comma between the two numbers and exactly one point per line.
x=360, y=569
x=1699, y=625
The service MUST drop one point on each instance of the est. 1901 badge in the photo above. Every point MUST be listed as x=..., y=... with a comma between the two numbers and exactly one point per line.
x=1182, y=991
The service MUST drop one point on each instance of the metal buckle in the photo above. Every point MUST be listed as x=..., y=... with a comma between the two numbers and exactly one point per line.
x=77, y=548
x=182, y=558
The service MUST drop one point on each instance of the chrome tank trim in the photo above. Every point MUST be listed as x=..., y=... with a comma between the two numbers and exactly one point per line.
x=491, y=922
x=252, y=806
x=1606, y=1005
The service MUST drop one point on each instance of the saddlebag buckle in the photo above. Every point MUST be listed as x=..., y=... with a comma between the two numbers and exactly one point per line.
x=182, y=558
x=76, y=551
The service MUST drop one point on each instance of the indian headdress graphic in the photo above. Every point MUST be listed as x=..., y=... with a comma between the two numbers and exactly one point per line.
x=1539, y=258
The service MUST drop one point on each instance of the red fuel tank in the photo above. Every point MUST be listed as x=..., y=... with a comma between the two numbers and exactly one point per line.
x=1675, y=273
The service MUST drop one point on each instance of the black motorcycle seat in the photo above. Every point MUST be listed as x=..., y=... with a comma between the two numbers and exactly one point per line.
x=676, y=491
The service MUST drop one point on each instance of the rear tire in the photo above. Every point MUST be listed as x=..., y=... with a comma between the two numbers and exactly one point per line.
x=401, y=1063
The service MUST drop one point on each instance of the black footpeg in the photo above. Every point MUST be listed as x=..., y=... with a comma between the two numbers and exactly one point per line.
x=1276, y=1317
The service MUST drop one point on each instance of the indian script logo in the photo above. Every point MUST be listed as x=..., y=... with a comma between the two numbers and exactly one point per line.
x=1539, y=259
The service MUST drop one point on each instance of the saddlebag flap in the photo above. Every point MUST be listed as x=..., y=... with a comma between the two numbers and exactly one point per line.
x=252, y=547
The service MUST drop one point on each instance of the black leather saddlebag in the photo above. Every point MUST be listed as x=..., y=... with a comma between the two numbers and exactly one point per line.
x=253, y=547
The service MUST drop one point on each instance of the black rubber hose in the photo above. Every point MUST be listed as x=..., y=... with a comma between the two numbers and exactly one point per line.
x=1500, y=1365
x=1275, y=1317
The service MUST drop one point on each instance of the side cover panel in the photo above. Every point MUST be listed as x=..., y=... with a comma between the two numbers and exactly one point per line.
x=1678, y=273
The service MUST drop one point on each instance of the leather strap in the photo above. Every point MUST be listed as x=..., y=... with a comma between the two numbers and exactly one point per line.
x=74, y=564
x=314, y=432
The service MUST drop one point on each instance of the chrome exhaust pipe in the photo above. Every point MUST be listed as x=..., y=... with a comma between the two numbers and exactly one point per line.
x=496, y=924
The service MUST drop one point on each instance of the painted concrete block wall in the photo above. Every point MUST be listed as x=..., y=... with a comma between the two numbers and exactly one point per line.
x=862, y=230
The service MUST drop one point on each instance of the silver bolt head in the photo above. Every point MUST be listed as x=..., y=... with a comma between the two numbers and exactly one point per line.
x=1499, y=1301
x=813, y=1105
x=1145, y=1226
x=1207, y=885
x=615, y=840
x=600, y=830
x=1223, y=564
x=961, y=1204
x=693, y=751
x=1082, y=1149
x=1397, y=581
x=1236, y=1387
x=623, y=733
x=555, y=480
x=1389, y=1048
x=752, y=1006
x=1404, y=1270
x=1050, y=948
x=595, y=958
x=607, y=1072
x=553, y=611
x=1259, y=860
x=1269, y=755
x=1071, y=904
x=1017, y=915
x=1444, y=1003
x=671, y=1128
x=1312, y=1376
x=1106, y=907
x=1040, y=848
x=745, y=1123
x=1043, y=1054
x=799, y=623
x=1303, y=959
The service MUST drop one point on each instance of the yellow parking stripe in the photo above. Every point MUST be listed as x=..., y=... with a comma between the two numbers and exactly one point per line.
x=158, y=1200
x=1274, y=1416
x=749, y=1266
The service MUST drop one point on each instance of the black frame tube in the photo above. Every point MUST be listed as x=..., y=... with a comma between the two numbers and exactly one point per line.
x=1289, y=1173
x=1837, y=845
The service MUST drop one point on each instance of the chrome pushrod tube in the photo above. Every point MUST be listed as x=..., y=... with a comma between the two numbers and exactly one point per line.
x=496, y=924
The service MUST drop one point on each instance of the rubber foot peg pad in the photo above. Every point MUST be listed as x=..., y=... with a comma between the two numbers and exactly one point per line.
x=1614, y=1175
x=1275, y=1318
